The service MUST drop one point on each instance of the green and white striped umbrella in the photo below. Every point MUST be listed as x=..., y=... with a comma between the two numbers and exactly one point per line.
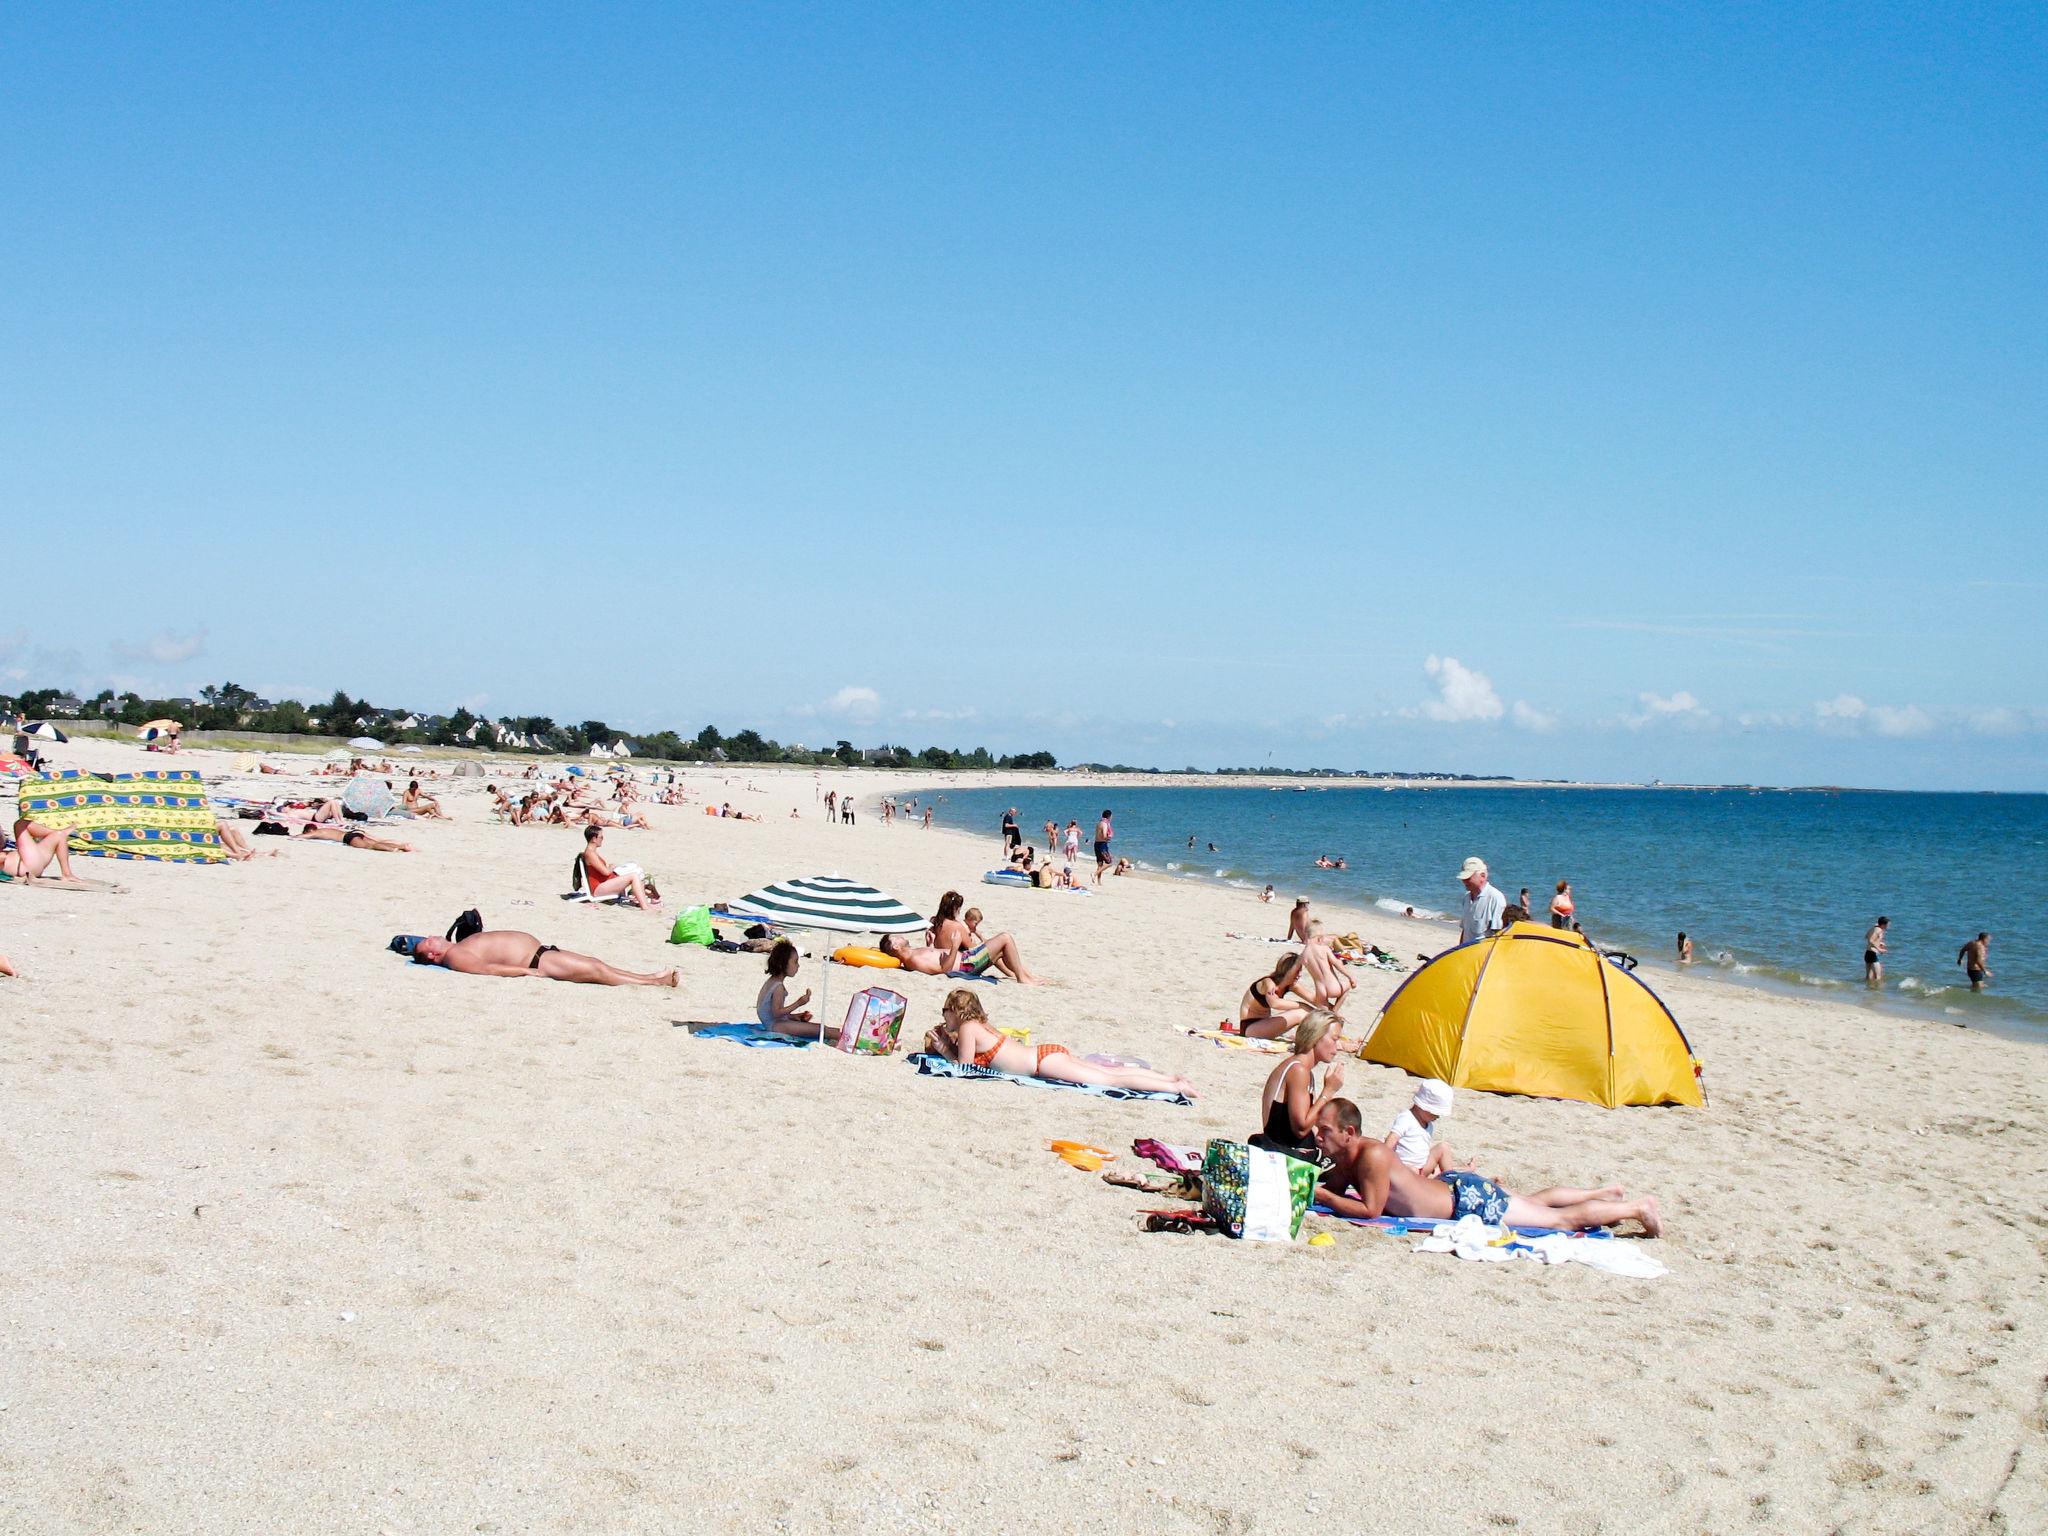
x=830, y=904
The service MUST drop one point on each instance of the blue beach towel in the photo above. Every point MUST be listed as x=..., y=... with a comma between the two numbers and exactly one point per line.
x=930, y=1065
x=748, y=1034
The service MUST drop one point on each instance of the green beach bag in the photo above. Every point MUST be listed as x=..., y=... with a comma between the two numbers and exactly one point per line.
x=1256, y=1195
x=692, y=926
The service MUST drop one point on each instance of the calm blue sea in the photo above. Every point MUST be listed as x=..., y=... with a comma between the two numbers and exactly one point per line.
x=1774, y=888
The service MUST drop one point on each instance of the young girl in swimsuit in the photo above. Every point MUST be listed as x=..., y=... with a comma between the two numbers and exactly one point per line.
x=967, y=1036
x=773, y=1007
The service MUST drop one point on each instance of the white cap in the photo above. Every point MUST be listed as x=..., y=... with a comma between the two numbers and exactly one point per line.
x=1433, y=1095
x=1473, y=866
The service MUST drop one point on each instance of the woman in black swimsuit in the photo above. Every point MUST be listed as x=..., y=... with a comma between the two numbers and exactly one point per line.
x=1266, y=1011
x=1291, y=1103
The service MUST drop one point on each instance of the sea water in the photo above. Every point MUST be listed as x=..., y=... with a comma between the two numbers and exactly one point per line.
x=1775, y=888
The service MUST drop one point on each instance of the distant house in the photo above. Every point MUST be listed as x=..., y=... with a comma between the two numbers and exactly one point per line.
x=184, y=706
x=407, y=723
x=624, y=748
x=260, y=706
x=67, y=704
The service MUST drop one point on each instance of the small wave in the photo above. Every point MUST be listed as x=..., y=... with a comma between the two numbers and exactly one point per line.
x=1406, y=909
x=1819, y=981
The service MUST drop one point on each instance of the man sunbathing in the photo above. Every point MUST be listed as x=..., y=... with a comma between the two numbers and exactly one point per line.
x=966, y=1036
x=929, y=960
x=506, y=952
x=1385, y=1186
x=350, y=837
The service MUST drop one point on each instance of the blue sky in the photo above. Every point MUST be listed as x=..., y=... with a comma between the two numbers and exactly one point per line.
x=1560, y=390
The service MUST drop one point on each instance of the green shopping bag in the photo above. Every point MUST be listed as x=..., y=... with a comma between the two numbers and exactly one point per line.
x=692, y=926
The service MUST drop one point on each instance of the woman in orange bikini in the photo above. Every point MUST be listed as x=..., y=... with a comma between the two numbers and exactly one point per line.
x=968, y=1037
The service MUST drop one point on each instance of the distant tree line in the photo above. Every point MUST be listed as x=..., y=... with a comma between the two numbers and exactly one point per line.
x=231, y=707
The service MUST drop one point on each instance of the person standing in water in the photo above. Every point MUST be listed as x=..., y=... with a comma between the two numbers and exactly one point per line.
x=1684, y=950
x=1873, y=953
x=1973, y=957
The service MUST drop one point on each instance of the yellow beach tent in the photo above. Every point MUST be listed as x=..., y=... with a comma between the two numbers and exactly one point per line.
x=1535, y=1010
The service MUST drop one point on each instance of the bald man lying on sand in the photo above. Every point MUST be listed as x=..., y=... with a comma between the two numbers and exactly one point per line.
x=1385, y=1186
x=506, y=952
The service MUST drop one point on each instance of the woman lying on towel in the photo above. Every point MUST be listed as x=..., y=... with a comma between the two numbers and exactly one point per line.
x=1291, y=1103
x=968, y=1037
x=1000, y=952
x=1277, y=1002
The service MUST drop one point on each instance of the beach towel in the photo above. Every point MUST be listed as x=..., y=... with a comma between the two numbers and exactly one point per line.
x=1402, y=1226
x=162, y=815
x=748, y=1034
x=1230, y=1041
x=1473, y=1240
x=930, y=1065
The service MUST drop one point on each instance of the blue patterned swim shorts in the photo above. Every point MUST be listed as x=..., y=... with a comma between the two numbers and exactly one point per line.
x=1473, y=1196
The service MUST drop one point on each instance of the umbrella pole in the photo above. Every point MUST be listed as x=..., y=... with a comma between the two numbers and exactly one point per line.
x=824, y=993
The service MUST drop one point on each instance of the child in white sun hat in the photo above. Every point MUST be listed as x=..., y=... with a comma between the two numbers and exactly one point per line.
x=1410, y=1138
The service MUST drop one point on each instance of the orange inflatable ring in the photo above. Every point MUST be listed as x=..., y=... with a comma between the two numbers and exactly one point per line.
x=850, y=954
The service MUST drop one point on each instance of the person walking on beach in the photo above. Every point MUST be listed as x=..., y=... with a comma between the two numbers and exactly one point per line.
x=1012, y=838
x=831, y=805
x=1973, y=957
x=1070, y=843
x=1873, y=953
x=1103, y=833
x=1484, y=904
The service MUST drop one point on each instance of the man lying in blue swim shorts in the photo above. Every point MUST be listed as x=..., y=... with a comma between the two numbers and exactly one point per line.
x=1366, y=1179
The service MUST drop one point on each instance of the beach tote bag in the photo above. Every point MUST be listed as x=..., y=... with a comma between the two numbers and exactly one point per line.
x=873, y=1020
x=1256, y=1195
x=692, y=926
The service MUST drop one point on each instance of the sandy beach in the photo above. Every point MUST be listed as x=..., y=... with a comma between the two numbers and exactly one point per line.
x=302, y=1237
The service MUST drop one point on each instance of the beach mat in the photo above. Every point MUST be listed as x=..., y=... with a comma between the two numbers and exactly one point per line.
x=930, y=1065
x=747, y=1034
x=1401, y=1226
x=1231, y=1041
x=162, y=814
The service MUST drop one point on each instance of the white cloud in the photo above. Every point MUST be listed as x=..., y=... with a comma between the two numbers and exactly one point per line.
x=1530, y=718
x=1843, y=706
x=1908, y=720
x=855, y=702
x=1462, y=694
x=920, y=714
x=1679, y=708
x=163, y=647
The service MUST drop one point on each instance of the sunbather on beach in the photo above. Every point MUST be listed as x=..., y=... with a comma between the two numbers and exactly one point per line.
x=1275, y=1003
x=930, y=960
x=774, y=1007
x=421, y=804
x=7, y=967
x=1328, y=978
x=239, y=847
x=967, y=1036
x=352, y=837
x=36, y=848
x=507, y=952
x=948, y=931
x=1366, y=1179
x=1291, y=1102
x=604, y=880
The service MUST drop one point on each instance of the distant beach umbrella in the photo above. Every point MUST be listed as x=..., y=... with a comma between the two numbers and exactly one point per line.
x=44, y=730
x=156, y=730
x=827, y=904
x=368, y=797
x=366, y=744
x=415, y=751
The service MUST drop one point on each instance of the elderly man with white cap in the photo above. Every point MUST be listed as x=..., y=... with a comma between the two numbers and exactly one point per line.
x=1484, y=903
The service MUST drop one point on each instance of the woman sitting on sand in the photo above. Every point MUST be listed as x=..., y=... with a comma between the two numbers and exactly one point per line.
x=36, y=848
x=966, y=1036
x=1000, y=952
x=421, y=804
x=604, y=880
x=773, y=1007
x=947, y=930
x=1266, y=1013
x=1291, y=1101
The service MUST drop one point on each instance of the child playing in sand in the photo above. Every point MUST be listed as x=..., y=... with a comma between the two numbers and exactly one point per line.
x=773, y=1007
x=1410, y=1137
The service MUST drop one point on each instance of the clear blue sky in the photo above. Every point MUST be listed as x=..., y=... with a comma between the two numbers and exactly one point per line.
x=1163, y=384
